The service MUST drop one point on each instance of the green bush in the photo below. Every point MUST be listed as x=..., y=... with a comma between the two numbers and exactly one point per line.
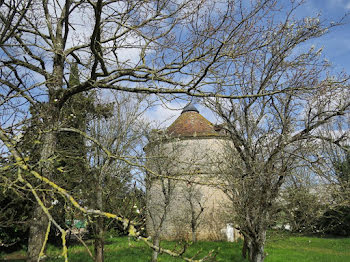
x=335, y=221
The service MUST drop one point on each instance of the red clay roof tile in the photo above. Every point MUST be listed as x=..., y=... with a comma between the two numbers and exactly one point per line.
x=191, y=123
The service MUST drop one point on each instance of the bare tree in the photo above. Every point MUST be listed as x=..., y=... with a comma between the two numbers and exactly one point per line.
x=270, y=138
x=271, y=135
x=160, y=193
x=196, y=206
x=11, y=16
x=121, y=134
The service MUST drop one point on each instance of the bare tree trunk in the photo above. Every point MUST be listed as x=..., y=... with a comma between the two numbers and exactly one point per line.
x=194, y=216
x=193, y=223
x=40, y=220
x=99, y=238
x=258, y=254
x=194, y=235
x=245, y=248
x=99, y=241
x=155, y=253
x=37, y=233
x=255, y=247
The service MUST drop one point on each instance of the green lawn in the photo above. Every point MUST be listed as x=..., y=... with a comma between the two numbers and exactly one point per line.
x=308, y=249
x=279, y=248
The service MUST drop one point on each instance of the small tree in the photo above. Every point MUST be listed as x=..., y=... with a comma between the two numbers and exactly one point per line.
x=160, y=191
x=121, y=135
x=336, y=218
x=302, y=202
x=196, y=206
x=342, y=171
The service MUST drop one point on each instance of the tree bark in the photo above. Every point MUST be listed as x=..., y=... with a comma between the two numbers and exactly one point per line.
x=256, y=252
x=99, y=238
x=193, y=223
x=39, y=219
x=37, y=233
x=155, y=253
x=255, y=247
x=245, y=248
x=99, y=241
x=194, y=236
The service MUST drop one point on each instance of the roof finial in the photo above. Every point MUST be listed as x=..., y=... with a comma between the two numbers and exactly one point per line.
x=190, y=108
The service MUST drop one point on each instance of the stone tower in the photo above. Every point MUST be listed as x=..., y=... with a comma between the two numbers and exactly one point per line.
x=184, y=200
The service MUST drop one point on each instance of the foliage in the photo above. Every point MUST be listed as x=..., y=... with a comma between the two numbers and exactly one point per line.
x=16, y=203
x=15, y=210
x=335, y=221
x=341, y=166
x=300, y=208
x=71, y=165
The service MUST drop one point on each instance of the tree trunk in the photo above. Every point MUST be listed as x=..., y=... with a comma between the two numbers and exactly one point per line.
x=255, y=247
x=245, y=248
x=155, y=253
x=258, y=255
x=99, y=241
x=39, y=219
x=256, y=252
x=37, y=233
x=193, y=223
x=194, y=231
x=194, y=236
x=99, y=238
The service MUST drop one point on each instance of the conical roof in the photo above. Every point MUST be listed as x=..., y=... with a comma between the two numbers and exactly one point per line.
x=191, y=123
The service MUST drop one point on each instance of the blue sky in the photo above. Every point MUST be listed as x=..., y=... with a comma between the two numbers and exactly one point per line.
x=336, y=48
x=335, y=44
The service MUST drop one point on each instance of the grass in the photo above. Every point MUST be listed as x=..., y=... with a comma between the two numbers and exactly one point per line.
x=308, y=249
x=279, y=248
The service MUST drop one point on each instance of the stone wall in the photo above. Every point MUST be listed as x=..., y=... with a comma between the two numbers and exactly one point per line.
x=189, y=186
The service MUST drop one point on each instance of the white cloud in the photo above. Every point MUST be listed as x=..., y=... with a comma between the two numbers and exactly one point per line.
x=165, y=113
x=162, y=117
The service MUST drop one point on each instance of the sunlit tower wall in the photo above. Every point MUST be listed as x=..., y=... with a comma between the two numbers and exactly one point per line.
x=184, y=179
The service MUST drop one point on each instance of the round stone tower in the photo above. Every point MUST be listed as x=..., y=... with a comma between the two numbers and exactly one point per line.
x=184, y=200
